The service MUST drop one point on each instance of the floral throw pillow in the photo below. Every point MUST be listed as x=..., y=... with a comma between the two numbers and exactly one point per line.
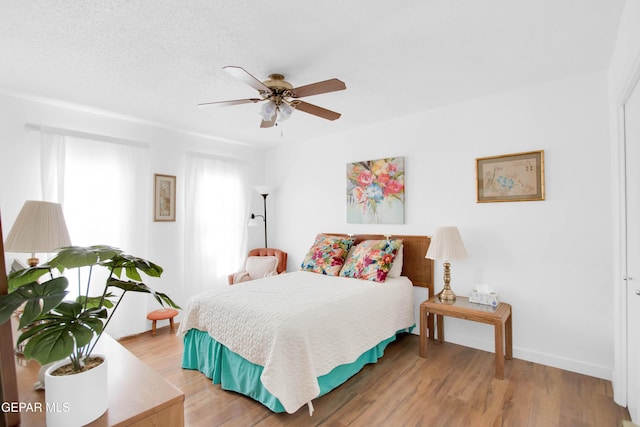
x=371, y=260
x=327, y=255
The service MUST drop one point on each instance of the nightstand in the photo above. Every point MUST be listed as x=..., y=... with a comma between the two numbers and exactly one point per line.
x=499, y=316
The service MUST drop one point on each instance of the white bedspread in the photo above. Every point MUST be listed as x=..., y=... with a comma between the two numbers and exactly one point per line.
x=301, y=325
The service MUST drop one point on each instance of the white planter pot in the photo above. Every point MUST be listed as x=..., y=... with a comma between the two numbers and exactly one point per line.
x=78, y=399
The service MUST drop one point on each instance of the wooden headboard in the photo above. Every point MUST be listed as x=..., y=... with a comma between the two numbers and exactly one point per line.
x=414, y=265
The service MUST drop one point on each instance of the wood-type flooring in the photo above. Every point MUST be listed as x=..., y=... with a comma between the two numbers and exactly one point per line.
x=454, y=386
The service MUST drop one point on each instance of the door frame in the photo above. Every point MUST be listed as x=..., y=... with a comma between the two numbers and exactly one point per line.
x=8, y=376
x=620, y=371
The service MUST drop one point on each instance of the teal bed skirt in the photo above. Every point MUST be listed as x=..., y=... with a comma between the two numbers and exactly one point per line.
x=235, y=373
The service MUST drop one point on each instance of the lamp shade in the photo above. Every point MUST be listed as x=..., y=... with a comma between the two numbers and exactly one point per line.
x=285, y=111
x=254, y=221
x=446, y=245
x=268, y=110
x=264, y=189
x=39, y=228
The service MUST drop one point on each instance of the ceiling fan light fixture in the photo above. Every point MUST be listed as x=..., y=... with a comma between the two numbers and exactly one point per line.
x=267, y=110
x=285, y=110
x=277, y=94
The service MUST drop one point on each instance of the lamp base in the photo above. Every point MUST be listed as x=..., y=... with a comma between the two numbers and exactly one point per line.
x=447, y=296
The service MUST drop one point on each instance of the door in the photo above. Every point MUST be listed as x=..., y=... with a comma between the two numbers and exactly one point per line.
x=632, y=167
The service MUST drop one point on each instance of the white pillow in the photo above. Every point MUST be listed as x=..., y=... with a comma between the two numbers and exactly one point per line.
x=396, y=267
x=261, y=266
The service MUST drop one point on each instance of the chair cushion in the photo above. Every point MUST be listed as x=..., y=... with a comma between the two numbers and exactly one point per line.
x=261, y=266
x=281, y=255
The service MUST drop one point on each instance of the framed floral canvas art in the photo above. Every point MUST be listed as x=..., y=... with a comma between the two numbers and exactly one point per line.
x=375, y=191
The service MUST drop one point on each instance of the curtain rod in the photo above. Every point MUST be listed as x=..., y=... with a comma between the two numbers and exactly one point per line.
x=84, y=135
x=214, y=157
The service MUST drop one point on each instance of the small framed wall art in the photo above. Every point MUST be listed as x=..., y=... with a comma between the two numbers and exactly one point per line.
x=164, y=199
x=511, y=177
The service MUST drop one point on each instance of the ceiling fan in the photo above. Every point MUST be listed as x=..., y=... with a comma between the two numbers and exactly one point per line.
x=280, y=97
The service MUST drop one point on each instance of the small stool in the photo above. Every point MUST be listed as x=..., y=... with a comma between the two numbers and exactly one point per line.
x=162, y=314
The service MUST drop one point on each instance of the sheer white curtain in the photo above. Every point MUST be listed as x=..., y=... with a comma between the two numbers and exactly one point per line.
x=101, y=186
x=104, y=189
x=52, y=161
x=216, y=213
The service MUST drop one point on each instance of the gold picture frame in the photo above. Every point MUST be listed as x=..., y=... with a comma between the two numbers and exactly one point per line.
x=164, y=200
x=514, y=177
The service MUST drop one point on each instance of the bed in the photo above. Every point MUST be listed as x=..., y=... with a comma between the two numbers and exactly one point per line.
x=288, y=339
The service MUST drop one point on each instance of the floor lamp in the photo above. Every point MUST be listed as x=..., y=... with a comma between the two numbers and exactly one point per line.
x=264, y=191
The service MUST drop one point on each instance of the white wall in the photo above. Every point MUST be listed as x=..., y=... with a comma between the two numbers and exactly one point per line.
x=545, y=258
x=20, y=178
x=623, y=72
x=549, y=259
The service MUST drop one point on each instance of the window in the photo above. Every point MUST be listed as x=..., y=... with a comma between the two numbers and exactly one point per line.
x=104, y=188
x=106, y=194
x=216, y=213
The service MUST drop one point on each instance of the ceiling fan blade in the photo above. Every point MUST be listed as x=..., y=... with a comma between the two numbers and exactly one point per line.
x=331, y=85
x=244, y=76
x=270, y=123
x=228, y=103
x=317, y=111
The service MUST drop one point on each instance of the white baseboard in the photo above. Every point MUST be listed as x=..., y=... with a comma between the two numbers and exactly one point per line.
x=529, y=355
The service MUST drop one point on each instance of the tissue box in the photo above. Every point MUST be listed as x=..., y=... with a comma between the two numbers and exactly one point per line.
x=486, y=298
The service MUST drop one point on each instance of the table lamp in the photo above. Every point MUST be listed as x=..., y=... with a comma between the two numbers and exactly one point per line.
x=39, y=228
x=447, y=245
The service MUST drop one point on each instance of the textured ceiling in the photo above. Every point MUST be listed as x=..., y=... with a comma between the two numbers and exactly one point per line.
x=155, y=60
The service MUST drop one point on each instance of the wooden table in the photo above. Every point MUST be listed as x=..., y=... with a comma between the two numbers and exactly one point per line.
x=138, y=396
x=499, y=316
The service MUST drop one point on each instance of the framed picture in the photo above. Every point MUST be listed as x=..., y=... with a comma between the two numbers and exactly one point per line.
x=511, y=177
x=164, y=199
x=375, y=191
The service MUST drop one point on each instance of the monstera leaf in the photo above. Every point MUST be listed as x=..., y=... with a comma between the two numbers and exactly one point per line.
x=38, y=299
x=58, y=334
x=132, y=265
x=130, y=286
x=80, y=256
x=26, y=276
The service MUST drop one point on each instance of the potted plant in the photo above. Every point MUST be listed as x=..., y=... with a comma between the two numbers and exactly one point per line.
x=53, y=329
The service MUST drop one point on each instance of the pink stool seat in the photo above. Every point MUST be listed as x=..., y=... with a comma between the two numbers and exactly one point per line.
x=162, y=314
